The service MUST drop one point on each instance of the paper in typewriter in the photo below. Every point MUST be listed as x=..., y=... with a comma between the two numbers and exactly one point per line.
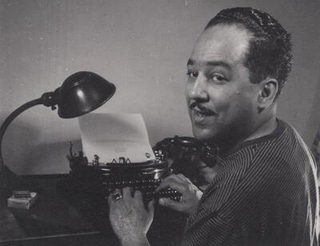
x=115, y=135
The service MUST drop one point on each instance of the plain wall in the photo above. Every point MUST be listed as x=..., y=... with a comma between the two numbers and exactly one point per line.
x=142, y=46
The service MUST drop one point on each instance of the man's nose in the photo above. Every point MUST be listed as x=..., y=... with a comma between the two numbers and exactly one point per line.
x=199, y=88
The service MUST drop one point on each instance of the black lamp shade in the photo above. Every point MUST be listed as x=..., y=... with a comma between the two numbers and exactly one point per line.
x=82, y=93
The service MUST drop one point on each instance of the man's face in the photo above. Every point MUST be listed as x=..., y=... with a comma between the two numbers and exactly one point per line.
x=220, y=96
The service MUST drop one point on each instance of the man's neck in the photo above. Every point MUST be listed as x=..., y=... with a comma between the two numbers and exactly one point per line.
x=265, y=129
x=268, y=125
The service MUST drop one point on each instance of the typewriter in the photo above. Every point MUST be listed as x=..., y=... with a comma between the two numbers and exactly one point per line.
x=93, y=181
x=100, y=179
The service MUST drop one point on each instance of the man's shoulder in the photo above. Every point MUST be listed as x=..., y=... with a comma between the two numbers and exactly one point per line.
x=283, y=153
x=284, y=144
x=281, y=143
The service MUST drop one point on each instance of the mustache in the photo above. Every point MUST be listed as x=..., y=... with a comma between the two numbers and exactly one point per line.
x=203, y=109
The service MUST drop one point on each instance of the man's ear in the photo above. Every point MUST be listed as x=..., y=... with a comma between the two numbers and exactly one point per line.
x=268, y=92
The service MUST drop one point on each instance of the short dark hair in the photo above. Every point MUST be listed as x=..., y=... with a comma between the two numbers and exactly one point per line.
x=270, y=49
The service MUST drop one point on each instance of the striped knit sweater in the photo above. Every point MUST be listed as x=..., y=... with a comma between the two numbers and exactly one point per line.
x=265, y=195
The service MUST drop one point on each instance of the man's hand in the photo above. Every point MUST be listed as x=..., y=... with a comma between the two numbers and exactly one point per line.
x=129, y=218
x=191, y=195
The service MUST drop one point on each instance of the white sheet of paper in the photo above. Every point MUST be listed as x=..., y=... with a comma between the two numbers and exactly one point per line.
x=115, y=135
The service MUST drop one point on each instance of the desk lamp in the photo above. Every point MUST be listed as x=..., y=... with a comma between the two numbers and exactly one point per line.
x=79, y=94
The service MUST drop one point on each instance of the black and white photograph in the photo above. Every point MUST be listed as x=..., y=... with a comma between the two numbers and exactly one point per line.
x=159, y=122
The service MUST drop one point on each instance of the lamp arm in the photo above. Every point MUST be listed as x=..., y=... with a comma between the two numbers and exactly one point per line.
x=48, y=99
x=11, y=117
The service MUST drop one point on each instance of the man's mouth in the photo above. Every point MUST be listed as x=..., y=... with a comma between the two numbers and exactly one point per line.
x=200, y=113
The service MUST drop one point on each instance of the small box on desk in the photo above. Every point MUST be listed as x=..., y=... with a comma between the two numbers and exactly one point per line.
x=18, y=201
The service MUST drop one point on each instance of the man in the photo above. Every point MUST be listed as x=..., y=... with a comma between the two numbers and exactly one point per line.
x=265, y=190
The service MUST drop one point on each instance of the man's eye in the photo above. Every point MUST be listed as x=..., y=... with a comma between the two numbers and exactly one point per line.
x=192, y=74
x=218, y=78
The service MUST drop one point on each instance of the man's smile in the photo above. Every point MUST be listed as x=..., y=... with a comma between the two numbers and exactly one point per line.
x=201, y=114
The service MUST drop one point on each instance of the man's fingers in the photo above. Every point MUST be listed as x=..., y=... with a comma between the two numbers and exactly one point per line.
x=138, y=197
x=184, y=178
x=167, y=202
x=109, y=199
x=173, y=181
x=151, y=207
x=114, y=196
x=163, y=185
x=173, y=185
x=127, y=192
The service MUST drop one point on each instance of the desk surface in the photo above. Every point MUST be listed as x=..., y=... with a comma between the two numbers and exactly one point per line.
x=54, y=221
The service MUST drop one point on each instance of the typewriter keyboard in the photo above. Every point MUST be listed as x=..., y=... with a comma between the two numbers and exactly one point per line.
x=146, y=186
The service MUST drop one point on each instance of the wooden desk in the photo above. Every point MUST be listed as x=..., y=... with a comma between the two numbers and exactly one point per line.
x=54, y=221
